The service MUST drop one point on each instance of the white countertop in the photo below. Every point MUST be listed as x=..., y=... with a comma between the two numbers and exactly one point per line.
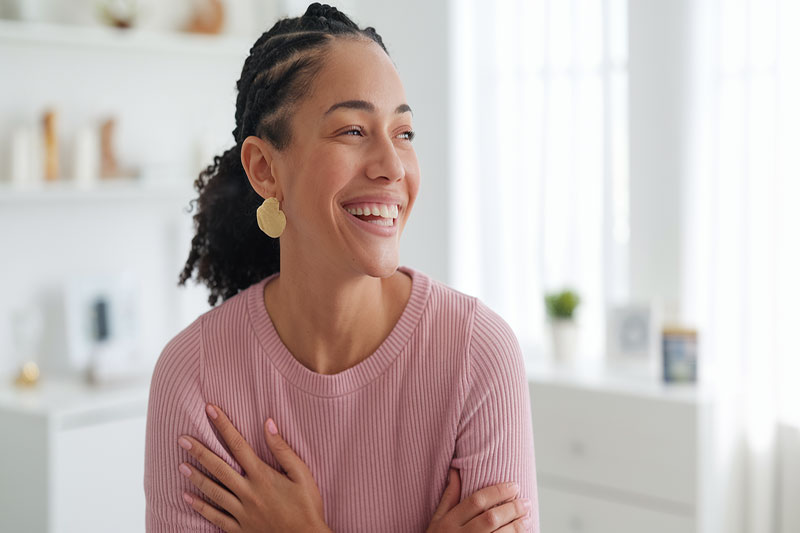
x=597, y=376
x=69, y=402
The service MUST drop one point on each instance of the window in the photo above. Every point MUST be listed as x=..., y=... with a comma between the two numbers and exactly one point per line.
x=540, y=181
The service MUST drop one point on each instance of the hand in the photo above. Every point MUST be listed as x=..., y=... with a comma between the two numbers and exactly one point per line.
x=477, y=513
x=264, y=500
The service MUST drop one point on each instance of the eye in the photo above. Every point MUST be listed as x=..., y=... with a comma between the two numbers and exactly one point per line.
x=353, y=131
x=408, y=135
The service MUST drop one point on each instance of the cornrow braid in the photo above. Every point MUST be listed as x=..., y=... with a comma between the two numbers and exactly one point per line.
x=229, y=252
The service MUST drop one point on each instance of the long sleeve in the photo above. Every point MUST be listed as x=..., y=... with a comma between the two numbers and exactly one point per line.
x=494, y=443
x=175, y=407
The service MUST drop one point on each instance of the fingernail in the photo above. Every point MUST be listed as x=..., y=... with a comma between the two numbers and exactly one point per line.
x=512, y=485
x=185, y=444
x=184, y=470
x=271, y=426
x=211, y=412
x=526, y=522
x=526, y=504
x=188, y=499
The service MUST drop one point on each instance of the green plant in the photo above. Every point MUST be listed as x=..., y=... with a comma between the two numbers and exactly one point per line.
x=561, y=305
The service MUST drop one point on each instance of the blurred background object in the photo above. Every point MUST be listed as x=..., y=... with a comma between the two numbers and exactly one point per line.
x=118, y=13
x=208, y=17
x=563, y=327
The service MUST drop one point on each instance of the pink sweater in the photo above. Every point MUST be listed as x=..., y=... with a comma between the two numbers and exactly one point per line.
x=447, y=387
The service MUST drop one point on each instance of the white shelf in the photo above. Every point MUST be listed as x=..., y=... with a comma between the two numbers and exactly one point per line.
x=122, y=189
x=28, y=34
x=596, y=376
x=67, y=398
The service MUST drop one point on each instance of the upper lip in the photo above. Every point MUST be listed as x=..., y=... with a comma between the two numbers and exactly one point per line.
x=375, y=198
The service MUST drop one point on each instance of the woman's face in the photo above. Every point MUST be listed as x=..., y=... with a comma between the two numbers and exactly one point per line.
x=350, y=149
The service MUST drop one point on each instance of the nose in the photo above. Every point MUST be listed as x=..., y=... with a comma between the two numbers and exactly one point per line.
x=384, y=160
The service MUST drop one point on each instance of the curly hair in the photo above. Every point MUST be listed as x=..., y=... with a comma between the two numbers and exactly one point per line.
x=229, y=251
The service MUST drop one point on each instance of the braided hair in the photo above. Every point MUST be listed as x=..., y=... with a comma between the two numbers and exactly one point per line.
x=229, y=251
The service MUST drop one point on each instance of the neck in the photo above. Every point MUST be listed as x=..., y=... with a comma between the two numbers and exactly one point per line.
x=331, y=318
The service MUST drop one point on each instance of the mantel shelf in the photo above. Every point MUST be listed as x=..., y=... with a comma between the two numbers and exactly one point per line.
x=101, y=39
x=127, y=189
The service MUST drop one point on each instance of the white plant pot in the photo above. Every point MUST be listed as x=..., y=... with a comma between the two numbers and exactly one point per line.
x=564, y=334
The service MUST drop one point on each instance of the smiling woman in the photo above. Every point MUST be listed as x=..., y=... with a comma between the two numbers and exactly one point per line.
x=400, y=404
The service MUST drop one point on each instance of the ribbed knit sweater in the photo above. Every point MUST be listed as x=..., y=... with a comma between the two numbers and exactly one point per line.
x=446, y=388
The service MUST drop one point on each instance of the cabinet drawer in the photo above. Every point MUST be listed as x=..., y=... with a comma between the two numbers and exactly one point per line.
x=98, y=475
x=567, y=512
x=629, y=443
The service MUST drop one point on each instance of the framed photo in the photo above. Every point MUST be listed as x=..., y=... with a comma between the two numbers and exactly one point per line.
x=102, y=323
x=633, y=344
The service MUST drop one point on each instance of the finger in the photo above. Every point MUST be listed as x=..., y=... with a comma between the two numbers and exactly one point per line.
x=238, y=446
x=451, y=495
x=218, y=495
x=295, y=468
x=520, y=525
x=218, y=468
x=500, y=516
x=483, y=500
x=212, y=514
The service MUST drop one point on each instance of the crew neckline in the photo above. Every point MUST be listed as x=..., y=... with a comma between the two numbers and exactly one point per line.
x=355, y=377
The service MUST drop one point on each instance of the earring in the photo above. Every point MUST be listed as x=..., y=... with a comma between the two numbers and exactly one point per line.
x=270, y=218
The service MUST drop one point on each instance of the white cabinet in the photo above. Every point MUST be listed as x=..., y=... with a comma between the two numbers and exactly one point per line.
x=615, y=455
x=72, y=458
x=570, y=510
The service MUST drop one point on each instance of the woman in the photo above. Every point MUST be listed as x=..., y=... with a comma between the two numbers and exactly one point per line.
x=400, y=404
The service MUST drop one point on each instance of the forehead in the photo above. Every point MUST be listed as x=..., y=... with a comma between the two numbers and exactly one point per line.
x=357, y=69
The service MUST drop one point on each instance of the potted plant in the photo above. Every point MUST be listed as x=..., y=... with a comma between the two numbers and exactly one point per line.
x=563, y=328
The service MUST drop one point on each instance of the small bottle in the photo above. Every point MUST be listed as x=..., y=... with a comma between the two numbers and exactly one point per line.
x=51, y=166
x=86, y=162
x=21, y=170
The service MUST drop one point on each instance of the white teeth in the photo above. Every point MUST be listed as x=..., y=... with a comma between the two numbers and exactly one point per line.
x=382, y=210
x=382, y=222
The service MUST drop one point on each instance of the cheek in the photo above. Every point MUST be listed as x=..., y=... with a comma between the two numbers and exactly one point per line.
x=413, y=178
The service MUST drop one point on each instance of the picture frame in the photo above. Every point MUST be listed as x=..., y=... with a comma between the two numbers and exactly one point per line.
x=633, y=343
x=102, y=323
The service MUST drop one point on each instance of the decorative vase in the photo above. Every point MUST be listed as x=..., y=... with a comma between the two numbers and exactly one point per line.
x=564, y=334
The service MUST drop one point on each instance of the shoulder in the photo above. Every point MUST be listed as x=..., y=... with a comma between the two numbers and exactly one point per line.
x=449, y=304
x=184, y=357
x=179, y=360
x=494, y=347
x=232, y=314
x=488, y=331
x=489, y=339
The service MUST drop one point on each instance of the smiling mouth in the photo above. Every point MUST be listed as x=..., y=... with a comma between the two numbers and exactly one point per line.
x=378, y=214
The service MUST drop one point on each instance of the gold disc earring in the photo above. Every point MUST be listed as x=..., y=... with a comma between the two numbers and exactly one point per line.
x=270, y=218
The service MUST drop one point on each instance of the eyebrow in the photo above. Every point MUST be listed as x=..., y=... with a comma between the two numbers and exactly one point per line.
x=363, y=105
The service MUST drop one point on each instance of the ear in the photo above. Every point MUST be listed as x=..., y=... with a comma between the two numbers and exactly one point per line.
x=258, y=158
